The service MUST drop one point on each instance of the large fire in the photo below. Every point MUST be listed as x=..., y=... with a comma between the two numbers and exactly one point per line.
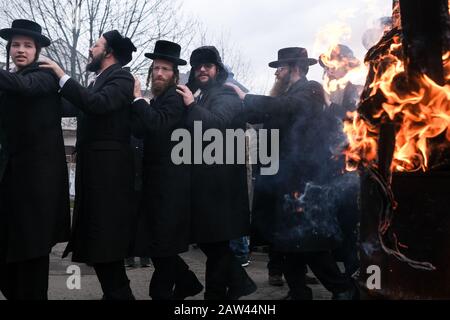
x=419, y=115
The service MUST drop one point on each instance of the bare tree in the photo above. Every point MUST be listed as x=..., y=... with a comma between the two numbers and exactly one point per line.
x=74, y=25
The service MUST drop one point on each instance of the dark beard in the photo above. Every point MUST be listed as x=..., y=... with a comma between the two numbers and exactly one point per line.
x=280, y=87
x=205, y=86
x=161, y=87
x=96, y=64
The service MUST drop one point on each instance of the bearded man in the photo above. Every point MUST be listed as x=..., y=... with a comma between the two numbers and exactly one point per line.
x=295, y=108
x=219, y=194
x=164, y=224
x=103, y=217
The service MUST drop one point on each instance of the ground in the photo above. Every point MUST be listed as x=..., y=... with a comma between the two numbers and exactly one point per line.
x=140, y=278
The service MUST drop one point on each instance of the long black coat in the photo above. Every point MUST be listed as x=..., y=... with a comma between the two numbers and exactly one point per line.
x=278, y=213
x=103, y=216
x=34, y=204
x=220, y=205
x=164, y=223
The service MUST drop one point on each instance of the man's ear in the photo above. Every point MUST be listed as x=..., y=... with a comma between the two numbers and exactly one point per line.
x=108, y=52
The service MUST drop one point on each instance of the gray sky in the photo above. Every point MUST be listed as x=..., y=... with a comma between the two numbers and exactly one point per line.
x=260, y=27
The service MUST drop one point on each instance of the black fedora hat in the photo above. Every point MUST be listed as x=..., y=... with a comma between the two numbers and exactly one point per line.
x=167, y=50
x=25, y=28
x=123, y=47
x=294, y=54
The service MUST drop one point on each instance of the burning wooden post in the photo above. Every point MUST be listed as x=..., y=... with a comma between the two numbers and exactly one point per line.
x=400, y=139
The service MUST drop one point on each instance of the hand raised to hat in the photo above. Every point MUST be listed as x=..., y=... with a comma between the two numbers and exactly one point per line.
x=187, y=95
x=238, y=90
x=50, y=64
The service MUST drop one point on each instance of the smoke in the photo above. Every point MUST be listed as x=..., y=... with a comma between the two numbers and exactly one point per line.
x=316, y=217
x=319, y=200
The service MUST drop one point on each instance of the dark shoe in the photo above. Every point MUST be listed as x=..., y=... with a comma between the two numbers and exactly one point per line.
x=247, y=287
x=130, y=263
x=352, y=294
x=311, y=280
x=190, y=286
x=287, y=298
x=122, y=294
x=304, y=294
x=145, y=263
x=276, y=280
x=244, y=261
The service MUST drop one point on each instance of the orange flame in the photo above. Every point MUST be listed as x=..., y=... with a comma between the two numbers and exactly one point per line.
x=341, y=69
x=421, y=115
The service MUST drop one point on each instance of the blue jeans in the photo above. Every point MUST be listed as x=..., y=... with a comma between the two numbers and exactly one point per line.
x=240, y=247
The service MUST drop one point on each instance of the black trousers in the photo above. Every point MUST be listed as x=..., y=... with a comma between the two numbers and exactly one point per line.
x=224, y=274
x=26, y=280
x=114, y=281
x=275, y=264
x=169, y=271
x=324, y=267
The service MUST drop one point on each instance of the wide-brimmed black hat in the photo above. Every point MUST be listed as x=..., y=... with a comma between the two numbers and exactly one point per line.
x=26, y=28
x=167, y=50
x=123, y=47
x=294, y=54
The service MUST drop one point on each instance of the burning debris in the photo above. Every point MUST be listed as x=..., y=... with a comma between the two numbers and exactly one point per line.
x=399, y=141
x=420, y=112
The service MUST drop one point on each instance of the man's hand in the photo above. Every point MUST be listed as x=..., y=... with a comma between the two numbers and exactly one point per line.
x=187, y=95
x=50, y=64
x=137, y=88
x=238, y=90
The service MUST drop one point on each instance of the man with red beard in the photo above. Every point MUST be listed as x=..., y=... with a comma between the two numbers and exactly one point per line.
x=295, y=108
x=164, y=228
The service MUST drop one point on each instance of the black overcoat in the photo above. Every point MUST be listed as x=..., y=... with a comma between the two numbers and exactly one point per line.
x=103, y=216
x=220, y=204
x=289, y=222
x=34, y=196
x=164, y=222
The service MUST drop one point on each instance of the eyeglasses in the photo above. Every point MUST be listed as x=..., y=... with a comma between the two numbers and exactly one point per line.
x=162, y=69
x=280, y=69
x=206, y=66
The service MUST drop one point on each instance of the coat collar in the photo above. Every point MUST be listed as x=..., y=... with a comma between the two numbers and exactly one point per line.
x=297, y=85
x=102, y=77
x=31, y=67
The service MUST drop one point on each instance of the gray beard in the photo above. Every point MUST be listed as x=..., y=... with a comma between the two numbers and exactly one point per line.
x=280, y=87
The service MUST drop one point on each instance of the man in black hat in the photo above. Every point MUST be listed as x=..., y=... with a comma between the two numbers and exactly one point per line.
x=295, y=108
x=164, y=225
x=341, y=94
x=103, y=217
x=34, y=194
x=220, y=209
x=342, y=97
